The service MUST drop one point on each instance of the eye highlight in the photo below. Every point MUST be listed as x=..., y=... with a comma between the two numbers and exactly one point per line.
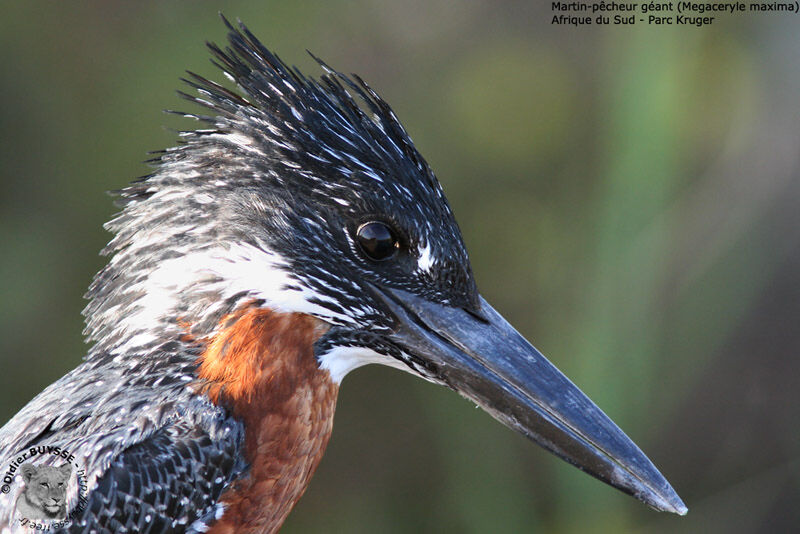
x=377, y=241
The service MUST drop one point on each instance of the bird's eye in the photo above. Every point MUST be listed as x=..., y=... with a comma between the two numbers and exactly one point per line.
x=377, y=241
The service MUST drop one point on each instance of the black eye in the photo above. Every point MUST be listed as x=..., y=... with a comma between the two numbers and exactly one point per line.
x=377, y=241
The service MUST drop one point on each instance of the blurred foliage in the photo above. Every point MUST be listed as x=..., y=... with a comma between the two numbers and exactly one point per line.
x=628, y=195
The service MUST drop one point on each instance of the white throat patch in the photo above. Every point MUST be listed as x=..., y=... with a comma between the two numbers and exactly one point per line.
x=342, y=360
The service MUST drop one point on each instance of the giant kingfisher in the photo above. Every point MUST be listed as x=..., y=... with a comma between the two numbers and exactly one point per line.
x=296, y=236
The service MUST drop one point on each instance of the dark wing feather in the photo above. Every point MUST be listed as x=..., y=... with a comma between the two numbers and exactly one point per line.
x=166, y=483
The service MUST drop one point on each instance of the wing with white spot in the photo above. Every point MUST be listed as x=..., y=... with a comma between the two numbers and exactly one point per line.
x=142, y=444
x=167, y=483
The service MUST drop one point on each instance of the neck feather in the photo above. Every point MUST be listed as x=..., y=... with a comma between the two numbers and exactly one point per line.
x=261, y=367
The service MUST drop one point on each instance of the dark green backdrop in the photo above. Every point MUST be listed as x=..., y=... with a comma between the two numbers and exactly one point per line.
x=629, y=197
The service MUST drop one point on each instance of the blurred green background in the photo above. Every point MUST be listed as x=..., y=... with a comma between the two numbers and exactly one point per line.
x=629, y=197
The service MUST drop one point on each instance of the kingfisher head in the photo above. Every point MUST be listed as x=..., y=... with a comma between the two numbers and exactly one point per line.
x=307, y=196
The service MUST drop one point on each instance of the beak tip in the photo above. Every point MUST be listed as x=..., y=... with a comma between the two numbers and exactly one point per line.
x=668, y=503
x=642, y=480
x=679, y=508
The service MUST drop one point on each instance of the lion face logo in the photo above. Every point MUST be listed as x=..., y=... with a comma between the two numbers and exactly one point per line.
x=44, y=496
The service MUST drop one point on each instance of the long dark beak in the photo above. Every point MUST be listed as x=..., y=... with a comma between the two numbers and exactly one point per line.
x=481, y=356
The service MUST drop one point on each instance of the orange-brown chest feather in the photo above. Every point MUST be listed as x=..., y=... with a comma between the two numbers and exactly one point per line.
x=261, y=366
